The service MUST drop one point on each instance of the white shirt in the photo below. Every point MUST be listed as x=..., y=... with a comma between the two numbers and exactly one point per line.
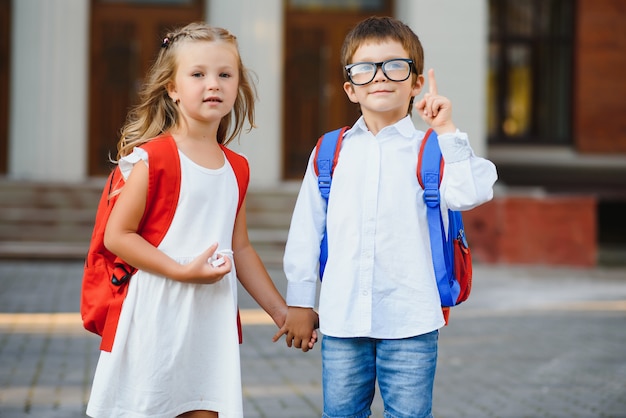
x=379, y=280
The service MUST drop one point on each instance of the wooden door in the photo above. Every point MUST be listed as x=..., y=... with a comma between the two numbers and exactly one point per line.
x=125, y=38
x=5, y=65
x=314, y=100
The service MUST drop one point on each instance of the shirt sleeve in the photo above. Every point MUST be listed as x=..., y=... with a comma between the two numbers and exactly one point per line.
x=467, y=179
x=301, y=259
x=128, y=162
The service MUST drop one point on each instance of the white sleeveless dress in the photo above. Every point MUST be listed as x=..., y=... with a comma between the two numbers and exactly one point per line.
x=176, y=348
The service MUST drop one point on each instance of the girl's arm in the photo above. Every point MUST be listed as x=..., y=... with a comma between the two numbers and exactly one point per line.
x=122, y=239
x=252, y=273
x=257, y=282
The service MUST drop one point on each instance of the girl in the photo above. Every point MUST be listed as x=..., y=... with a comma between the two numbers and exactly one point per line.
x=175, y=351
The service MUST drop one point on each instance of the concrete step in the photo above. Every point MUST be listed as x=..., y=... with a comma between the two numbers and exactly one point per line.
x=55, y=221
x=48, y=220
x=47, y=212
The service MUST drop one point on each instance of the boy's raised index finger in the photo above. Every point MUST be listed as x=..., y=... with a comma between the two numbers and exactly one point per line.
x=432, y=84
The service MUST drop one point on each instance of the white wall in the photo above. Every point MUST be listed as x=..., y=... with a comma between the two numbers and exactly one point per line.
x=258, y=26
x=49, y=78
x=48, y=107
x=454, y=36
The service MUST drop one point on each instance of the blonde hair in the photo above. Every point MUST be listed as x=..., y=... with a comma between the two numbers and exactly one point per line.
x=156, y=113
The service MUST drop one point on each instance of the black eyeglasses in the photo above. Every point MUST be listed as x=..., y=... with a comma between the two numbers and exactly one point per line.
x=397, y=69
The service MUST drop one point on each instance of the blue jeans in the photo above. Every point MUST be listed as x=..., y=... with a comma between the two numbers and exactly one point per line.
x=405, y=369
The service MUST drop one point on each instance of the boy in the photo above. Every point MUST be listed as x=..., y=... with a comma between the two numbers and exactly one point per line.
x=379, y=307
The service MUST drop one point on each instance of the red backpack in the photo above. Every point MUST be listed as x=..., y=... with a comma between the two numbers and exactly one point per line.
x=106, y=276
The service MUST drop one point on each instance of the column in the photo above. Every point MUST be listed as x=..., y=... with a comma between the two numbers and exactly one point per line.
x=48, y=120
x=454, y=36
x=258, y=26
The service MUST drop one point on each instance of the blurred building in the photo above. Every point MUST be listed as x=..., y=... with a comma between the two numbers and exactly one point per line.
x=536, y=83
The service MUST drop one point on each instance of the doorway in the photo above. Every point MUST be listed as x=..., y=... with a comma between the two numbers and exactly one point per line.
x=125, y=38
x=314, y=100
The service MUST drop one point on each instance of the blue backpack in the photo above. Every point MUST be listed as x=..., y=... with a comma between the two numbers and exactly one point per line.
x=451, y=255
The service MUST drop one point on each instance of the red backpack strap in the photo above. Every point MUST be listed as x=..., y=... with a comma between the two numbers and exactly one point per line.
x=163, y=188
x=242, y=172
x=160, y=205
x=163, y=191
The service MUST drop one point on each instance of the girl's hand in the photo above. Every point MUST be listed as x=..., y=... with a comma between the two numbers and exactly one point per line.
x=202, y=271
x=434, y=109
x=313, y=339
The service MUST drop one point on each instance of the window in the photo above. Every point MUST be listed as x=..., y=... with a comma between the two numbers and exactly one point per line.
x=327, y=5
x=151, y=2
x=530, y=71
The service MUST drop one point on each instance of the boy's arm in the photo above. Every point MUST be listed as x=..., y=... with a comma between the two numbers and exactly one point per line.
x=302, y=254
x=467, y=180
x=302, y=250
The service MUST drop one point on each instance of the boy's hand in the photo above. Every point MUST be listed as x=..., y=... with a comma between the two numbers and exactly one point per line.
x=299, y=328
x=436, y=110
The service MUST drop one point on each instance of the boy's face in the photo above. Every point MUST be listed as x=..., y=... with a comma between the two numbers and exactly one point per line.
x=382, y=97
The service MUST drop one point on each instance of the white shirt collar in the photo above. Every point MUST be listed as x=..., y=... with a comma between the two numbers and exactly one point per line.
x=403, y=127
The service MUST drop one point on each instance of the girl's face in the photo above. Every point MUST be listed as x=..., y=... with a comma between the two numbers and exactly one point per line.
x=382, y=97
x=206, y=81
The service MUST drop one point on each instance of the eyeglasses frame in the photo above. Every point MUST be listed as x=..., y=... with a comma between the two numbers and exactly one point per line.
x=381, y=66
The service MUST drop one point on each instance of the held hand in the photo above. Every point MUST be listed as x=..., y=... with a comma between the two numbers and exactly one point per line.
x=313, y=339
x=202, y=271
x=299, y=328
x=434, y=109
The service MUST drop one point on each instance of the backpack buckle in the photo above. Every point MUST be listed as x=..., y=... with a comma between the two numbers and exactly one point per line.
x=118, y=281
x=324, y=178
x=431, y=197
x=431, y=189
x=324, y=186
x=461, y=237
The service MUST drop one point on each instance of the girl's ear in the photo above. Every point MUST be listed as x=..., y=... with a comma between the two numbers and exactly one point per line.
x=171, y=91
x=349, y=89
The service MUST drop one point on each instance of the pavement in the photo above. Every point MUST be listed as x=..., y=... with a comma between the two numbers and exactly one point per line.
x=530, y=342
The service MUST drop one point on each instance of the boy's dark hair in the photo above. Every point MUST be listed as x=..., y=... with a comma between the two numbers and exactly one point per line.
x=380, y=29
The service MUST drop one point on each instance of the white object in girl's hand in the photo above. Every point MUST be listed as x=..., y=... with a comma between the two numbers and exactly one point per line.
x=216, y=262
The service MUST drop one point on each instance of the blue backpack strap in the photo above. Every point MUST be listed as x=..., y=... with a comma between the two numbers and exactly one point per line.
x=430, y=173
x=326, y=155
